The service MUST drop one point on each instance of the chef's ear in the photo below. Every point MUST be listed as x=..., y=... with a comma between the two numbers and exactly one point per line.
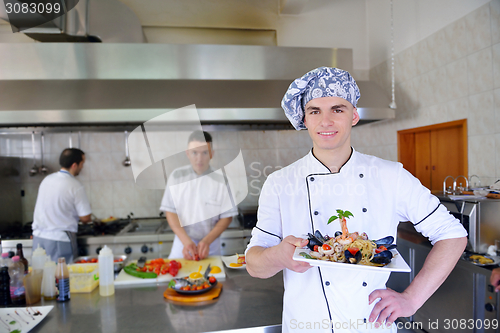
x=355, y=116
x=210, y=150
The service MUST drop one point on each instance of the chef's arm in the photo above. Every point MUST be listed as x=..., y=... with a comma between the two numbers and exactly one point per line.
x=437, y=266
x=86, y=218
x=175, y=225
x=264, y=262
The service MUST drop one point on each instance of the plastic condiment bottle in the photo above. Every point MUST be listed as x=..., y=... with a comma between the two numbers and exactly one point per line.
x=49, y=291
x=62, y=278
x=22, y=259
x=16, y=273
x=106, y=272
x=38, y=258
x=5, y=260
x=5, y=299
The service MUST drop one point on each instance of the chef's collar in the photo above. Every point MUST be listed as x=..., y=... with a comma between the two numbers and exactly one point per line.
x=315, y=166
x=209, y=170
x=65, y=171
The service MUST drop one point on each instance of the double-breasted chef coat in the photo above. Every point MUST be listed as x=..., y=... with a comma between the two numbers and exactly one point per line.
x=302, y=197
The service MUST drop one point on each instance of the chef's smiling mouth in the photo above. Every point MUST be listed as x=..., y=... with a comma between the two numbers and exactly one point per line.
x=326, y=134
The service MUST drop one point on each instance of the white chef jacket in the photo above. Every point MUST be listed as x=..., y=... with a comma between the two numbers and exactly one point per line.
x=60, y=202
x=302, y=197
x=200, y=201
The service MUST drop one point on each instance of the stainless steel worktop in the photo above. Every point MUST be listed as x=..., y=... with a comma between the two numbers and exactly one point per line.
x=244, y=302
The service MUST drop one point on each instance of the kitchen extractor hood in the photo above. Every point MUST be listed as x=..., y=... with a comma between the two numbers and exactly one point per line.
x=54, y=84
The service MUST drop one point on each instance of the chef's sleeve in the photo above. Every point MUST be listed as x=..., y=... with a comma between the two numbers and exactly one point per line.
x=268, y=231
x=424, y=210
x=82, y=204
x=167, y=203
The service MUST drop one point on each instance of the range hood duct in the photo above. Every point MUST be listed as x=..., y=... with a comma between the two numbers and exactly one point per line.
x=55, y=84
x=107, y=21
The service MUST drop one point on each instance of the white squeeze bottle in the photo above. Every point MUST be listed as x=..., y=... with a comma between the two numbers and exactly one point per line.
x=38, y=258
x=106, y=272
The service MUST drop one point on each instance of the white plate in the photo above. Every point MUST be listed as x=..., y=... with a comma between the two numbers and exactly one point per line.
x=232, y=260
x=22, y=321
x=397, y=264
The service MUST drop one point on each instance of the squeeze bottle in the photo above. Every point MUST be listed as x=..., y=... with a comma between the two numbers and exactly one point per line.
x=62, y=278
x=49, y=291
x=16, y=273
x=38, y=258
x=106, y=272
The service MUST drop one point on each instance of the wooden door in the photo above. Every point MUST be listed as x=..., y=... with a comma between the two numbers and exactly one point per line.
x=433, y=152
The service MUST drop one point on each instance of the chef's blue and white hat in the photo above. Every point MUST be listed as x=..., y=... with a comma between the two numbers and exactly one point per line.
x=320, y=82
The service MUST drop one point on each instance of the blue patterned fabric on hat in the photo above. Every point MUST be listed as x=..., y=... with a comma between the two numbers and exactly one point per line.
x=320, y=82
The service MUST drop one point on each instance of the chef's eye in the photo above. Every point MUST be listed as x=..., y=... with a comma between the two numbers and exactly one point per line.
x=314, y=112
x=338, y=111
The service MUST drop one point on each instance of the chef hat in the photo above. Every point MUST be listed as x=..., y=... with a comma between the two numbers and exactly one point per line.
x=320, y=82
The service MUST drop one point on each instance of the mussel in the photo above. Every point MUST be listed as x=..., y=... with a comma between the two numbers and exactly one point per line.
x=319, y=236
x=382, y=258
x=313, y=240
x=352, y=258
x=386, y=241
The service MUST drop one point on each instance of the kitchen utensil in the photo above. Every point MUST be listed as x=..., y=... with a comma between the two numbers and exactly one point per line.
x=207, y=271
x=34, y=169
x=141, y=262
x=43, y=169
x=127, y=161
x=70, y=140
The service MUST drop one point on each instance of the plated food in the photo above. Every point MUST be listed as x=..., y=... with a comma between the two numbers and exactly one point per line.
x=481, y=260
x=153, y=268
x=195, y=283
x=351, y=248
x=238, y=261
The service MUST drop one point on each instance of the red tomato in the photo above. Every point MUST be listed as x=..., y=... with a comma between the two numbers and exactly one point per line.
x=163, y=271
x=212, y=279
x=326, y=247
x=353, y=250
x=93, y=260
x=316, y=247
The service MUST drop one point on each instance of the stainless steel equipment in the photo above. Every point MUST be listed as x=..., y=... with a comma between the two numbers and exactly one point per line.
x=481, y=219
x=234, y=84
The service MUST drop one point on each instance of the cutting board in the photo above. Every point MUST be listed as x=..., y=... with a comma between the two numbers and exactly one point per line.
x=188, y=267
x=172, y=295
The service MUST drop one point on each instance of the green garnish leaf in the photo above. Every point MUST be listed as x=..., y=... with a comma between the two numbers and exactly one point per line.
x=333, y=218
x=305, y=255
x=348, y=214
x=12, y=322
x=15, y=331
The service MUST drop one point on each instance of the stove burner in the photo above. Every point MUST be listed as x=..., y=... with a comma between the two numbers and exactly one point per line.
x=101, y=229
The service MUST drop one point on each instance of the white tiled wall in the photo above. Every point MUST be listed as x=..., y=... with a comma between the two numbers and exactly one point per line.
x=453, y=74
x=110, y=186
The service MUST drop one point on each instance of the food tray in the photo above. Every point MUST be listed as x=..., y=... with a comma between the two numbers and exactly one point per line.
x=398, y=264
x=117, y=265
x=83, y=278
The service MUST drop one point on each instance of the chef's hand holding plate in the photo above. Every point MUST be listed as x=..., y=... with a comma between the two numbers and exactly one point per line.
x=286, y=249
x=390, y=307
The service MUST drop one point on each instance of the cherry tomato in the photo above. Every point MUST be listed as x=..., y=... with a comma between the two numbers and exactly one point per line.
x=93, y=260
x=196, y=257
x=382, y=248
x=212, y=279
x=326, y=247
x=353, y=250
x=164, y=271
x=316, y=247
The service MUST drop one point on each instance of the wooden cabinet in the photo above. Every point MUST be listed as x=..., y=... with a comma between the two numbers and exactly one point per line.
x=433, y=152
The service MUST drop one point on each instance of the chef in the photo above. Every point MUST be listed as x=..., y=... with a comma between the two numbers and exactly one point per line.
x=197, y=202
x=301, y=198
x=60, y=204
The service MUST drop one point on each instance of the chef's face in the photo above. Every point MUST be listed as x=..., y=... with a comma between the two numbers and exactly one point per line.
x=80, y=166
x=329, y=121
x=199, y=154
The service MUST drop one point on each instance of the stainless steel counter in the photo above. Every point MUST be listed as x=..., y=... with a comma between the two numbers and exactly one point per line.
x=244, y=302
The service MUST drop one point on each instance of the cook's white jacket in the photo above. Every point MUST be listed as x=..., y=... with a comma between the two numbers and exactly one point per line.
x=301, y=198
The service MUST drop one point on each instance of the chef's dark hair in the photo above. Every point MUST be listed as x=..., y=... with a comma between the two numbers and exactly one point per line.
x=70, y=156
x=200, y=136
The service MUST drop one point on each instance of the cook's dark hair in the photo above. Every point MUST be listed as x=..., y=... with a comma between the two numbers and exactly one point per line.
x=200, y=136
x=70, y=156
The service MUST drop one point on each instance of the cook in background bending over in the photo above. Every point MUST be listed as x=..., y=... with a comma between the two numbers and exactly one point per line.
x=196, y=202
x=301, y=197
x=60, y=204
